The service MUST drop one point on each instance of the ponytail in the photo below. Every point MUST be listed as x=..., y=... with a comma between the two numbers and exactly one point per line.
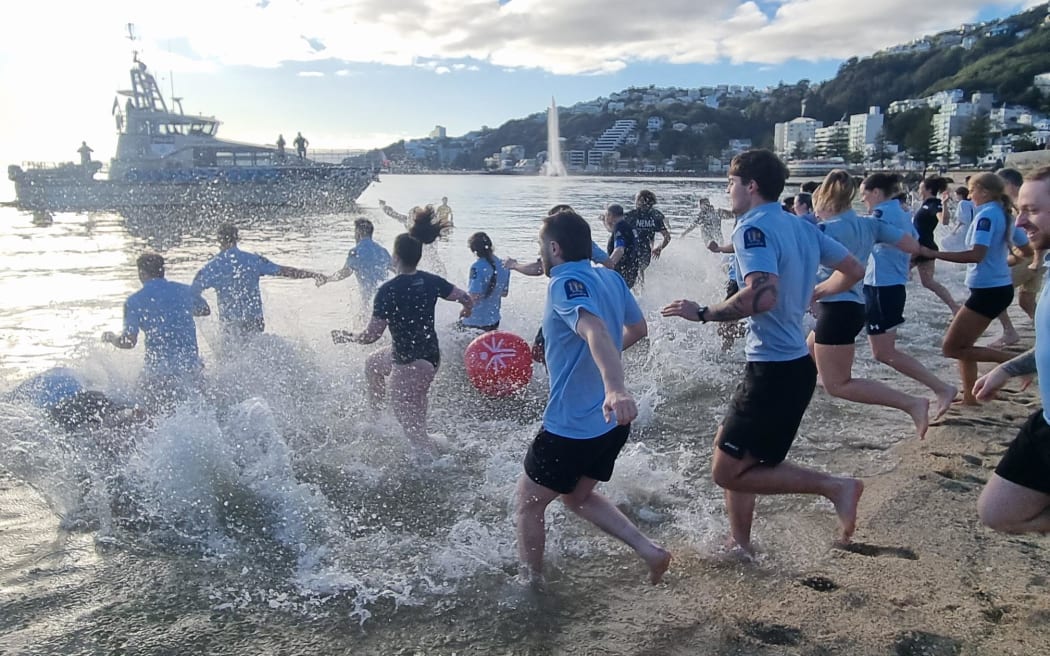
x=481, y=245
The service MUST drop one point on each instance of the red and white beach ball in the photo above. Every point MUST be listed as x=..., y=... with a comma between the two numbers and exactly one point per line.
x=498, y=363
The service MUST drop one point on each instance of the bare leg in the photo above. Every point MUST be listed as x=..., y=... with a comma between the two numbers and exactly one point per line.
x=740, y=507
x=595, y=508
x=748, y=476
x=926, y=271
x=1027, y=300
x=965, y=329
x=1010, y=335
x=1011, y=508
x=532, y=502
x=377, y=367
x=835, y=364
x=410, y=384
x=884, y=348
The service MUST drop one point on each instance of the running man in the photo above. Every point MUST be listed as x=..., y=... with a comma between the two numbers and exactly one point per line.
x=368, y=261
x=444, y=214
x=777, y=257
x=405, y=304
x=1017, y=497
x=234, y=275
x=590, y=318
x=623, y=248
x=164, y=311
x=647, y=221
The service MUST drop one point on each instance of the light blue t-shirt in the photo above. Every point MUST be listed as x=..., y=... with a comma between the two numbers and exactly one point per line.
x=887, y=264
x=574, y=407
x=988, y=228
x=1042, y=347
x=234, y=275
x=370, y=263
x=48, y=388
x=598, y=253
x=808, y=217
x=164, y=310
x=964, y=214
x=859, y=235
x=770, y=240
x=487, y=309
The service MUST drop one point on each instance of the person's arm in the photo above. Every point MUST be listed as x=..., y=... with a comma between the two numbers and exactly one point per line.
x=300, y=274
x=200, y=306
x=130, y=335
x=341, y=274
x=758, y=295
x=972, y=256
x=634, y=333
x=530, y=269
x=848, y=272
x=715, y=247
x=945, y=214
x=392, y=213
x=990, y=383
x=376, y=328
x=666, y=240
x=618, y=400
x=463, y=298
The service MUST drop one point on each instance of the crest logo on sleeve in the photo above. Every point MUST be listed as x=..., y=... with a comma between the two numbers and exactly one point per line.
x=984, y=225
x=473, y=273
x=754, y=238
x=576, y=289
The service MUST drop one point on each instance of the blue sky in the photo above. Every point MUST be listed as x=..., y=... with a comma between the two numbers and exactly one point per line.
x=358, y=73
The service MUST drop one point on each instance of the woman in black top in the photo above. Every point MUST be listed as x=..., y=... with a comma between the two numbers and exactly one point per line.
x=926, y=218
x=405, y=304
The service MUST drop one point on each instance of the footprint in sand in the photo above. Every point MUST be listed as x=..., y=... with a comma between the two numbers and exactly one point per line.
x=819, y=583
x=875, y=551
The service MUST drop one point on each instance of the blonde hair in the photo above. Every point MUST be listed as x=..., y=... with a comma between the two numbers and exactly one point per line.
x=835, y=195
x=996, y=187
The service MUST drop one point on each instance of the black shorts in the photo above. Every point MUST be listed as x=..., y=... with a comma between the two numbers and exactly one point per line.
x=1027, y=461
x=884, y=307
x=558, y=463
x=990, y=302
x=767, y=409
x=839, y=322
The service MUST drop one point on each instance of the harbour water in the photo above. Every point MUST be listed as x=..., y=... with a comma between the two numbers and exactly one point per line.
x=275, y=516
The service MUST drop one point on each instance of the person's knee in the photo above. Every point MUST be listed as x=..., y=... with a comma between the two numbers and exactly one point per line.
x=883, y=354
x=725, y=471
x=952, y=349
x=991, y=517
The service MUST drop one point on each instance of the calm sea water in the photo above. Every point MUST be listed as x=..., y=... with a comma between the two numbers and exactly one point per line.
x=275, y=516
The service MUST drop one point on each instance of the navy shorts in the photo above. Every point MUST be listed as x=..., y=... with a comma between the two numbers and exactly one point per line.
x=990, y=302
x=884, y=307
x=1027, y=461
x=839, y=323
x=558, y=463
x=767, y=409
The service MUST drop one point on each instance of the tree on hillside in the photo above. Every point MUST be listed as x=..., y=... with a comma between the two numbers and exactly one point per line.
x=799, y=151
x=837, y=146
x=881, y=149
x=973, y=145
x=920, y=145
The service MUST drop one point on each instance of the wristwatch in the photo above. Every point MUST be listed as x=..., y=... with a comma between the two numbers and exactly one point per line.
x=700, y=312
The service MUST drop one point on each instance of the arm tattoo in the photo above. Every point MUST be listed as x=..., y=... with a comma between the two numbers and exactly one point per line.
x=1022, y=365
x=761, y=290
x=746, y=302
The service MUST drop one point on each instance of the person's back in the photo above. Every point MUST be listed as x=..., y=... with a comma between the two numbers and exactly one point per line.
x=370, y=263
x=926, y=220
x=889, y=265
x=407, y=303
x=859, y=235
x=988, y=228
x=489, y=283
x=574, y=408
x=164, y=311
x=623, y=236
x=234, y=275
x=646, y=223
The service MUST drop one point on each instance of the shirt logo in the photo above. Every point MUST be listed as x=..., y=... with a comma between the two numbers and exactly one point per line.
x=754, y=238
x=877, y=214
x=984, y=225
x=575, y=289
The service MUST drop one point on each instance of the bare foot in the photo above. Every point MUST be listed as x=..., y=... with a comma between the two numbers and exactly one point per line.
x=945, y=398
x=846, y=501
x=920, y=414
x=1005, y=340
x=658, y=564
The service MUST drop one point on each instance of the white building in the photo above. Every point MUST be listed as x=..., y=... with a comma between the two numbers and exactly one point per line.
x=616, y=136
x=864, y=128
x=948, y=126
x=802, y=130
x=942, y=98
x=655, y=124
x=679, y=127
x=438, y=132
x=826, y=137
x=899, y=106
x=1042, y=82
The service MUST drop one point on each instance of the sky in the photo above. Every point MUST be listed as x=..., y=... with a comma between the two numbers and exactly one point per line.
x=364, y=73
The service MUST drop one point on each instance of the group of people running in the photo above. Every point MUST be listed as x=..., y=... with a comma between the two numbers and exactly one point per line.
x=849, y=269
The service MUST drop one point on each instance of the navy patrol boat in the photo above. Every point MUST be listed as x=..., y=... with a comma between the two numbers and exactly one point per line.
x=169, y=160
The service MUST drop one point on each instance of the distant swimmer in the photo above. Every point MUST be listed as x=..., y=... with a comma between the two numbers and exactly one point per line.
x=709, y=219
x=623, y=247
x=300, y=142
x=647, y=221
x=885, y=292
x=85, y=153
x=777, y=258
x=987, y=276
x=368, y=261
x=1017, y=496
x=280, y=148
x=489, y=285
x=164, y=311
x=931, y=213
x=840, y=317
x=234, y=275
x=405, y=304
x=59, y=392
x=444, y=213
x=589, y=318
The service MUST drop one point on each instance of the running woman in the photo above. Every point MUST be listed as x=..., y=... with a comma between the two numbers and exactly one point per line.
x=489, y=285
x=929, y=215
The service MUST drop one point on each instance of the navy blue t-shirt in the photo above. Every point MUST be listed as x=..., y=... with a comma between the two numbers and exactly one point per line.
x=623, y=236
x=407, y=303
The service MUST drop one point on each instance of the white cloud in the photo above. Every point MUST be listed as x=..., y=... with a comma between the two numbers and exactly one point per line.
x=310, y=74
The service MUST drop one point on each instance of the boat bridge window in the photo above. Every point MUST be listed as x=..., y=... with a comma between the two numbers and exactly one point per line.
x=226, y=159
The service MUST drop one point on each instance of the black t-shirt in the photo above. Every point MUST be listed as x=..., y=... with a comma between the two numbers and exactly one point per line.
x=925, y=221
x=646, y=224
x=407, y=304
x=624, y=235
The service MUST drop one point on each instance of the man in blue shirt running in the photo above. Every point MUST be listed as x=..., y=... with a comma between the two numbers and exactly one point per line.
x=777, y=257
x=1017, y=497
x=234, y=275
x=164, y=311
x=590, y=317
x=368, y=261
